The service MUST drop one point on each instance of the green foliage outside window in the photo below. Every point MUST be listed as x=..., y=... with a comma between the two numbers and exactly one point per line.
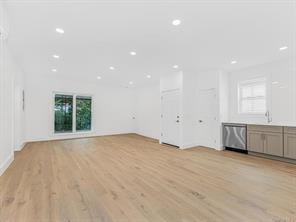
x=83, y=113
x=63, y=113
x=63, y=110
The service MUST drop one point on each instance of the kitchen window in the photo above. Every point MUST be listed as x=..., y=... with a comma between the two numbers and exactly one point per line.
x=252, y=96
x=72, y=113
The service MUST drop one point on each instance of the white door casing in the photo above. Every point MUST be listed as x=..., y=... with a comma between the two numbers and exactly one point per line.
x=170, y=117
x=207, y=118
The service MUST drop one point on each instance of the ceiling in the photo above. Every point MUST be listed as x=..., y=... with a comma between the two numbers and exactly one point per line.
x=100, y=34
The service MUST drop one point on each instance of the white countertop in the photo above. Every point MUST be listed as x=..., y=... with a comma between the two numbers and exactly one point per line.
x=264, y=124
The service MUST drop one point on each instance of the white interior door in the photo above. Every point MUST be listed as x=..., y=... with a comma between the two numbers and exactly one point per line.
x=207, y=110
x=170, y=104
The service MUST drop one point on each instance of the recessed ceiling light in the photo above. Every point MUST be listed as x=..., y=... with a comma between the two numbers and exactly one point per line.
x=99, y=77
x=275, y=82
x=131, y=82
x=133, y=53
x=54, y=70
x=233, y=62
x=148, y=76
x=175, y=66
x=59, y=30
x=111, y=68
x=283, y=48
x=56, y=56
x=176, y=22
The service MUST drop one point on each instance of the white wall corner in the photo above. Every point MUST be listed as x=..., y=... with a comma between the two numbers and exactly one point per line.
x=219, y=148
x=19, y=148
x=6, y=163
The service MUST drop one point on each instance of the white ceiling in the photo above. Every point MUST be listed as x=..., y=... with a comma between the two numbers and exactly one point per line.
x=99, y=34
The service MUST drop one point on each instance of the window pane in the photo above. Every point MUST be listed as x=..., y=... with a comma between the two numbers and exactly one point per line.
x=252, y=97
x=246, y=106
x=63, y=111
x=253, y=106
x=246, y=91
x=259, y=106
x=259, y=90
x=83, y=113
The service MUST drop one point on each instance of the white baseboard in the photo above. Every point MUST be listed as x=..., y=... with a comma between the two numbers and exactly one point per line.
x=6, y=163
x=142, y=134
x=188, y=146
x=20, y=147
x=73, y=136
x=197, y=145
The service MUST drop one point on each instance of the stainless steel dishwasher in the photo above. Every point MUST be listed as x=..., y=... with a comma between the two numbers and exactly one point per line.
x=235, y=137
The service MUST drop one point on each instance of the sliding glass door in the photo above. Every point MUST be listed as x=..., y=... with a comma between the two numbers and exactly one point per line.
x=63, y=112
x=72, y=113
x=83, y=113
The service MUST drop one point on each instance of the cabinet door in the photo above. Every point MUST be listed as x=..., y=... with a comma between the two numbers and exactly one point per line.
x=255, y=142
x=290, y=146
x=274, y=144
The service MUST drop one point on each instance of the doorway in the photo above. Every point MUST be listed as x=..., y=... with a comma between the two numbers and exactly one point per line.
x=207, y=118
x=170, y=117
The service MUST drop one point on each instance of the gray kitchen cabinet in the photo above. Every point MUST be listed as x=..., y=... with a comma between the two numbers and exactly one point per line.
x=266, y=139
x=290, y=130
x=290, y=142
x=255, y=142
x=274, y=144
x=265, y=128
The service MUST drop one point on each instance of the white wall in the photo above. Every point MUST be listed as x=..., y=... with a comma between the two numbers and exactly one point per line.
x=19, y=113
x=6, y=100
x=112, y=107
x=171, y=81
x=189, y=109
x=190, y=83
x=148, y=111
x=281, y=96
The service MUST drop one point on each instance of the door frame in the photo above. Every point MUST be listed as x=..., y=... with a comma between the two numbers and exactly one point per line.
x=180, y=112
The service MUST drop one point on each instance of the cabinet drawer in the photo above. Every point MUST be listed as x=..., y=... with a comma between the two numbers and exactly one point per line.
x=290, y=146
x=264, y=128
x=291, y=130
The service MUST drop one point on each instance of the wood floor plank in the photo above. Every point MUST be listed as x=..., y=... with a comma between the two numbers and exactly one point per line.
x=132, y=178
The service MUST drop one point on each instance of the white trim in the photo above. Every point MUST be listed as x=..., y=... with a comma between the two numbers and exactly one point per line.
x=73, y=115
x=152, y=137
x=179, y=91
x=188, y=146
x=85, y=132
x=6, y=163
x=170, y=90
x=20, y=147
x=76, y=136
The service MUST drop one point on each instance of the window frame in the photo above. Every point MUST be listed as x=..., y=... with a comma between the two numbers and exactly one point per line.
x=74, y=131
x=240, y=98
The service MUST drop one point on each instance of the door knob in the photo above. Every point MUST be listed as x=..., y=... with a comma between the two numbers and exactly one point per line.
x=177, y=121
x=200, y=121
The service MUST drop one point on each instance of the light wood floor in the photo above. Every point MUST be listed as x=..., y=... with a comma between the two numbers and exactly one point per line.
x=131, y=178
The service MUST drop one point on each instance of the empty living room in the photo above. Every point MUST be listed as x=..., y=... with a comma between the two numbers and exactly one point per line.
x=147, y=110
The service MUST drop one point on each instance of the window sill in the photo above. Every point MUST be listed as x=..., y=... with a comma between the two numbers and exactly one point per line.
x=252, y=114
